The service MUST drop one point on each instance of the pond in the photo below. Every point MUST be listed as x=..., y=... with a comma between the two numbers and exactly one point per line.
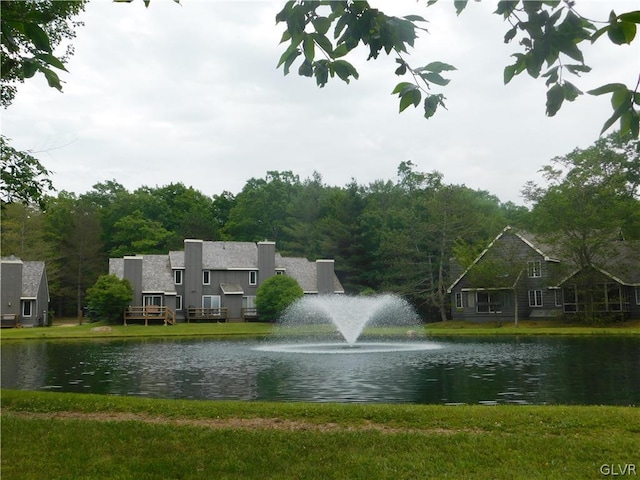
x=460, y=370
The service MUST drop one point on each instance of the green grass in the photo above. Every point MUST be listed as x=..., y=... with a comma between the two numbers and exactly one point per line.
x=69, y=330
x=58, y=435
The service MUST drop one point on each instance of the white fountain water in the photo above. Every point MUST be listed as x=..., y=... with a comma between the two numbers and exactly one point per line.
x=349, y=315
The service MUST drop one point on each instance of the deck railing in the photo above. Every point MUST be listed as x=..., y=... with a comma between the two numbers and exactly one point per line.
x=150, y=313
x=207, y=314
x=250, y=314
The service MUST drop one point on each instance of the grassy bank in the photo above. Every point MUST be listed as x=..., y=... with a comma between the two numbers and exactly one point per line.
x=57, y=435
x=69, y=330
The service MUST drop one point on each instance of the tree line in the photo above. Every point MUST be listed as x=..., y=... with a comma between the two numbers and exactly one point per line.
x=396, y=235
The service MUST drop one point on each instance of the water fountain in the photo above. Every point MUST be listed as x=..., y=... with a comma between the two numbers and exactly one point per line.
x=345, y=317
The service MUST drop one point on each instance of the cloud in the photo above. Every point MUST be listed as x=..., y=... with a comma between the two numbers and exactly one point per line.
x=190, y=93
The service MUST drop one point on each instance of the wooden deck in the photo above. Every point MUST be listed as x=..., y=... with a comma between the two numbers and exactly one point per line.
x=150, y=313
x=206, y=315
x=9, y=320
x=250, y=315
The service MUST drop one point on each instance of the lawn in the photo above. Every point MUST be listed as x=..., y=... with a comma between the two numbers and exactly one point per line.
x=60, y=436
x=70, y=329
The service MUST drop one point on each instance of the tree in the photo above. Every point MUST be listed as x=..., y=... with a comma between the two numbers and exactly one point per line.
x=261, y=210
x=592, y=200
x=73, y=232
x=275, y=295
x=22, y=177
x=547, y=32
x=108, y=298
x=31, y=31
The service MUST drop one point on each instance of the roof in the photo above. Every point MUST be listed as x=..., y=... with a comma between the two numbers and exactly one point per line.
x=302, y=270
x=156, y=274
x=222, y=256
x=621, y=262
x=32, y=275
x=157, y=269
x=305, y=272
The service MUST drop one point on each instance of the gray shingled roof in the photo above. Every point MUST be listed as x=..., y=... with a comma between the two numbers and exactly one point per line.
x=302, y=270
x=222, y=256
x=116, y=267
x=32, y=273
x=156, y=274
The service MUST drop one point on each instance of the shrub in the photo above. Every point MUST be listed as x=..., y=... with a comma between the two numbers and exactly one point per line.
x=108, y=298
x=275, y=295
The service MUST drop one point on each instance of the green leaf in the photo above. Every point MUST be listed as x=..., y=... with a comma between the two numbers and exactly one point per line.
x=438, y=67
x=51, y=60
x=37, y=36
x=597, y=34
x=435, y=78
x=343, y=69
x=321, y=24
x=29, y=68
x=414, y=18
x=617, y=113
x=510, y=34
x=412, y=97
x=308, y=47
x=608, y=88
x=577, y=69
x=622, y=32
x=555, y=97
x=403, y=87
x=340, y=51
x=52, y=78
x=460, y=5
x=321, y=72
x=571, y=92
x=323, y=42
x=431, y=104
x=509, y=73
x=306, y=68
x=633, y=17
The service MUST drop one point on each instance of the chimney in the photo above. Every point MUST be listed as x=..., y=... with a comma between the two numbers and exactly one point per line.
x=10, y=285
x=192, y=273
x=324, y=274
x=266, y=260
x=133, y=273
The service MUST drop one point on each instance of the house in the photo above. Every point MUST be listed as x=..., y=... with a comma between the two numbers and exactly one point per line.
x=217, y=280
x=520, y=277
x=24, y=293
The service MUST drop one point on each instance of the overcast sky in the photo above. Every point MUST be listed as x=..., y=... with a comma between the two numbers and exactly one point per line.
x=190, y=93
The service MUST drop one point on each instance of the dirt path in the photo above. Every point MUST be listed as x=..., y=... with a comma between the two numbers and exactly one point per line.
x=232, y=423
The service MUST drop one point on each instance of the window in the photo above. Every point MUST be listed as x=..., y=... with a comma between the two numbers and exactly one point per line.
x=558, y=297
x=487, y=302
x=279, y=272
x=206, y=277
x=178, y=302
x=570, y=294
x=249, y=301
x=211, y=301
x=253, y=277
x=152, y=300
x=535, y=298
x=459, y=303
x=637, y=295
x=177, y=277
x=614, y=298
x=26, y=308
x=535, y=268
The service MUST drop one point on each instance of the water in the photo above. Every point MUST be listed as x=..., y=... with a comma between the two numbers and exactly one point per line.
x=492, y=370
x=350, y=314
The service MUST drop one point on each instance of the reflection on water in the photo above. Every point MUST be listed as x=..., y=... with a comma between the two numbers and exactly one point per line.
x=531, y=370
